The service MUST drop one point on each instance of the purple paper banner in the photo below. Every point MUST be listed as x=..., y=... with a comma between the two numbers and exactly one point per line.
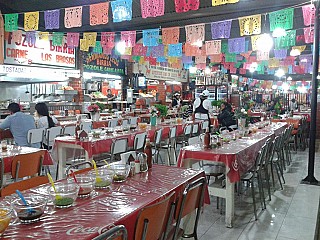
x=221, y=29
x=280, y=53
x=237, y=45
x=52, y=19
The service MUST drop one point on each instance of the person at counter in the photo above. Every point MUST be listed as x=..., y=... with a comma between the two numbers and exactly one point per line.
x=111, y=97
x=19, y=124
x=44, y=120
x=202, y=106
x=176, y=101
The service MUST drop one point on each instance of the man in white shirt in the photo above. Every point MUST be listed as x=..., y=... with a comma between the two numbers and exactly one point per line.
x=202, y=106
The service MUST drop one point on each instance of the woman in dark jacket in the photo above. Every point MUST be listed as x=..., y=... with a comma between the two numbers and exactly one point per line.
x=226, y=117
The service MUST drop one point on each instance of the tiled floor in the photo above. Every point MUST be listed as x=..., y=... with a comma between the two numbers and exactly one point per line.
x=291, y=213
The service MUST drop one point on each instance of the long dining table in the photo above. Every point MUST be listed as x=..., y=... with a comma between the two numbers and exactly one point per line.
x=102, y=144
x=120, y=204
x=238, y=157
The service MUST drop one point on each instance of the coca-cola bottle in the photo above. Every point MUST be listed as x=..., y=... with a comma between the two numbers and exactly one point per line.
x=77, y=129
x=206, y=140
x=148, y=151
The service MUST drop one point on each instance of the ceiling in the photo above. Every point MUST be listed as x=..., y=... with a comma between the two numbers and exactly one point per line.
x=205, y=14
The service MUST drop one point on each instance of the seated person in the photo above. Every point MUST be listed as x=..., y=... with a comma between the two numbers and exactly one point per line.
x=188, y=112
x=226, y=117
x=19, y=125
x=44, y=119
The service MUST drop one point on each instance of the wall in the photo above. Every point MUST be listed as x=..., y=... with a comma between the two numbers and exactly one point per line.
x=14, y=91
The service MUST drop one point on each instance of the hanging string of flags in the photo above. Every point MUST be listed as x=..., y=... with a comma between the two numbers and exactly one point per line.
x=162, y=45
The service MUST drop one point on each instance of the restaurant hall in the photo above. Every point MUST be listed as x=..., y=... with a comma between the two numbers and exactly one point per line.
x=159, y=120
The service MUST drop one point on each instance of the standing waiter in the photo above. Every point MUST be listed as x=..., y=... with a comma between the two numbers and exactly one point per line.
x=202, y=106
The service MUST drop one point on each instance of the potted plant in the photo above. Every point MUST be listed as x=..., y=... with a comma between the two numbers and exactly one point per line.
x=94, y=112
x=163, y=110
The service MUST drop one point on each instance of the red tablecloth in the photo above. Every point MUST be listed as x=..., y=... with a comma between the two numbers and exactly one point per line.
x=238, y=155
x=121, y=205
x=15, y=150
x=5, y=134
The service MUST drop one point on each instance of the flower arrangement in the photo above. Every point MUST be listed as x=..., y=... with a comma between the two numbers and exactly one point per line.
x=162, y=109
x=93, y=108
x=153, y=111
x=242, y=114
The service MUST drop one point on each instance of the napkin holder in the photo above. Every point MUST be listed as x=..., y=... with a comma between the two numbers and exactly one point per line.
x=83, y=135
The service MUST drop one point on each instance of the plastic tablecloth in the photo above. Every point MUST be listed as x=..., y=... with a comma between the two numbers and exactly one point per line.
x=119, y=205
x=13, y=151
x=239, y=156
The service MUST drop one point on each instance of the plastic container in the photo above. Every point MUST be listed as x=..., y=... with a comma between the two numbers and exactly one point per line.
x=65, y=195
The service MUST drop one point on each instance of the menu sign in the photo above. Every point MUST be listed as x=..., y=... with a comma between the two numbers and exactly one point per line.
x=42, y=52
x=102, y=63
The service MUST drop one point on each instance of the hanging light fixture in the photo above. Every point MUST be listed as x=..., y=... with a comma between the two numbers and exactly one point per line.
x=279, y=32
x=265, y=42
x=121, y=47
x=289, y=78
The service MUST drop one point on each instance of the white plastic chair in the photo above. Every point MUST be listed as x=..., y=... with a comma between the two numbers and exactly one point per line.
x=118, y=146
x=51, y=134
x=113, y=123
x=133, y=120
x=139, y=141
x=86, y=126
x=171, y=145
x=195, y=129
x=69, y=130
x=35, y=136
x=125, y=123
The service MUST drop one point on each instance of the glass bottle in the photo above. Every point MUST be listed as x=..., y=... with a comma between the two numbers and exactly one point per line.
x=77, y=129
x=148, y=151
x=206, y=140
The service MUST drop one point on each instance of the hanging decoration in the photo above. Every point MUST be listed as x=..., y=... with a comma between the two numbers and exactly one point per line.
x=281, y=19
x=17, y=36
x=57, y=38
x=107, y=51
x=157, y=51
x=273, y=63
x=280, y=53
x=139, y=50
x=170, y=35
x=191, y=50
x=73, y=17
x=129, y=38
x=185, y=6
x=91, y=38
x=299, y=48
x=186, y=59
x=161, y=59
x=152, y=8
x=107, y=39
x=11, y=22
x=221, y=29
x=43, y=36
x=195, y=33
x=150, y=37
x=222, y=2
x=84, y=45
x=250, y=25
x=200, y=59
x=99, y=13
x=308, y=34
x=308, y=14
x=31, y=21
x=52, y=19
x=216, y=58
x=262, y=55
x=237, y=45
x=230, y=57
x=213, y=47
x=128, y=51
x=121, y=10
x=254, y=40
x=175, y=50
x=286, y=41
x=31, y=37
x=73, y=40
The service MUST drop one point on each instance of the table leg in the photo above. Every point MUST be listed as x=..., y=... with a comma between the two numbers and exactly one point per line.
x=229, y=203
x=61, y=162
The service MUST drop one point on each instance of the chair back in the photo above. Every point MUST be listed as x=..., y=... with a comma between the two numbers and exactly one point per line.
x=152, y=220
x=113, y=122
x=173, y=133
x=187, y=130
x=194, y=140
x=69, y=130
x=133, y=120
x=118, y=146
x=76, y=167
x=195, y=129
x=139, y=141
x=24, y=185
x=86, y=126
x=204, y=125
x=192, y=198
x=158, y=136
x=36, y=135
x=125, y=123
x=116, y=233
x=27, y=165
x=51, y=134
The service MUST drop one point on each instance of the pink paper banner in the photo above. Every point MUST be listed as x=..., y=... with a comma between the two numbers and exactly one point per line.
x=17, y=36
x=152, y=8
x=129, y=37
x=195, y=33
x=308, y=34
x=185, y=6
x=107, y=50
x=73, y=17
x=213, y=47
x=73, y=40
x=107, y=39
x=308, y=14
x=99, y=13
